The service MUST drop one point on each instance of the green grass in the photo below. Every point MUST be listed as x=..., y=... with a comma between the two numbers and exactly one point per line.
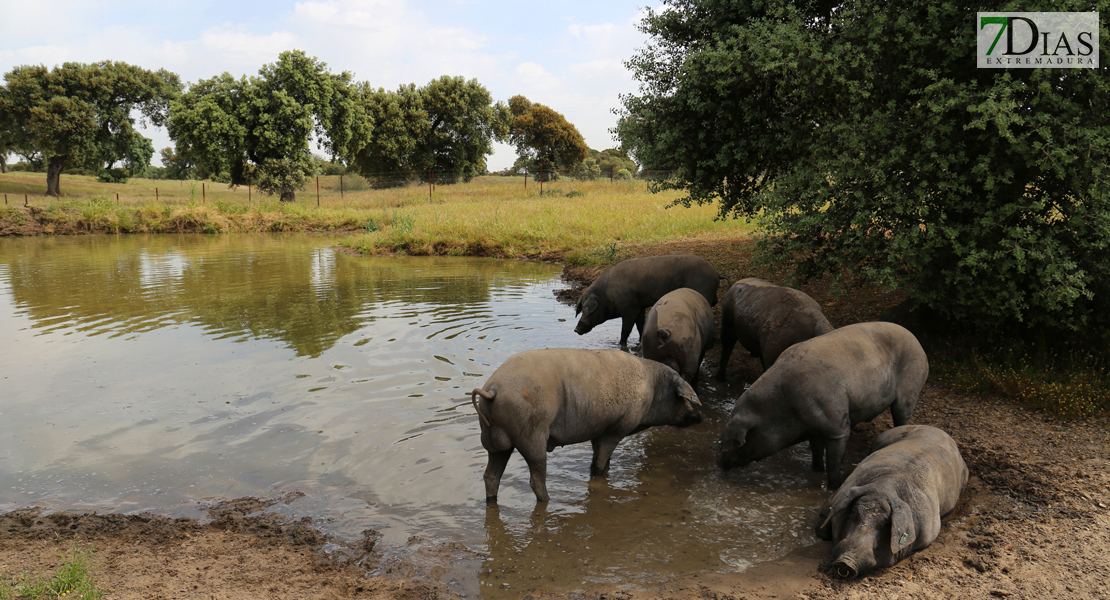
x=490, y=216
x=1069, y=384
x=72, y=580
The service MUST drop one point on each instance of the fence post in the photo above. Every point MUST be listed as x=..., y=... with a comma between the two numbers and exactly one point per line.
x=429, y=184
x=248, y=192
x=340, y=186
x=203, y=194
x=25, y=200
x=156, y=195
x=5, y=199
x=541, y=179
x=317, y=191
x=611, y=169
x=117, y=196
x=526, y=179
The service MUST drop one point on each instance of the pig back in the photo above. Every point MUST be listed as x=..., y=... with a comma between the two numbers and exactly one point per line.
x=576, y=393
x=769, y=318
x=924, y=457
x=645, y=280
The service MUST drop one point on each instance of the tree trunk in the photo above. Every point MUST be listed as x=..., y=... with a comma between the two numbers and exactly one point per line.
x=288, y=195
x=3, y=163
x=54, y=175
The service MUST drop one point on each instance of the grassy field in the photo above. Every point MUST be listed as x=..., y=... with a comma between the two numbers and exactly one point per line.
x=581, y=221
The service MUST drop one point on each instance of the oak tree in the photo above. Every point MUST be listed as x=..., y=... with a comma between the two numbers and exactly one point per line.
x=545, y=138
x=865, y=140
x=76, y=113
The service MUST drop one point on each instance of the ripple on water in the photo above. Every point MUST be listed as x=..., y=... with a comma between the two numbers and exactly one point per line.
x=257, y=365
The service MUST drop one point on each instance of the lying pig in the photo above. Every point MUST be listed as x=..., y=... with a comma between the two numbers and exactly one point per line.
x=541, y=399
x=631, y=286
x=767, y=319
x=678, y=330
x=819, y=388
x=891, y=505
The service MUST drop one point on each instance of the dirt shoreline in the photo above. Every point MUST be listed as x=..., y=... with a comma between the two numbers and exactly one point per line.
x=1032, y=523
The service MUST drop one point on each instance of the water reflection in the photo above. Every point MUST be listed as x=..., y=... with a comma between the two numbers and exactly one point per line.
x=256, y=287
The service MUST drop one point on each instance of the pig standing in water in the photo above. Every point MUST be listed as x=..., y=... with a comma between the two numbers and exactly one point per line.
x=678, y=330
x=632, y=286
x=819, y=388
x=541, y=399
x=767, y=319
x=892, y=504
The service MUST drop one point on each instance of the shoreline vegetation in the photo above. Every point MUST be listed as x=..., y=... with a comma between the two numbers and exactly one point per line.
x=578, y=222
x=586, y=225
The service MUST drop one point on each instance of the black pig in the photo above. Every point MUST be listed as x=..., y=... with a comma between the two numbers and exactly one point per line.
x=892, y=504
x=631, y=286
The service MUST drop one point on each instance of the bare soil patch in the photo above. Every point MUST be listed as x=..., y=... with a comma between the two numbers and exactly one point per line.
x=1032, y=523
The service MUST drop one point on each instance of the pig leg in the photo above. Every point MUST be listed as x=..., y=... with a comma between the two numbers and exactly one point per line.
x=626, y=329
x=603, y=451
x=834, y=454
x=817, y=452
x=495, y=468
x=901, y=410
x=535, y=454
x=728, y=342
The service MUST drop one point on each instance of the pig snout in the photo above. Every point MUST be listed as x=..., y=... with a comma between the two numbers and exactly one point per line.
x=688, y=417
x=852, y=557
x=582, y=327
x=845, y=568
x=727, y=454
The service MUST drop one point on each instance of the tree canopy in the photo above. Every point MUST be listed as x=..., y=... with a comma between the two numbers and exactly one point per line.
x=866, y=140
x=448, y=125
x=544, y=138
x=78, y=113
x=262, y=126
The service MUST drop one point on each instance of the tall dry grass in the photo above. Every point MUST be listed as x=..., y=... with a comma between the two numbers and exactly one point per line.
x=490, y=216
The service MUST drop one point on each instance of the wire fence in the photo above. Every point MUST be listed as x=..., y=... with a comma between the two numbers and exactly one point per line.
x=319, y=189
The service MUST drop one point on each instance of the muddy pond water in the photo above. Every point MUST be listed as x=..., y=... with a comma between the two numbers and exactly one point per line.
x=157, y=373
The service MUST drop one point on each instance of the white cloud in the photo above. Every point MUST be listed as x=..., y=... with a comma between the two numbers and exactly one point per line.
x=571, y=63
x=238, y=46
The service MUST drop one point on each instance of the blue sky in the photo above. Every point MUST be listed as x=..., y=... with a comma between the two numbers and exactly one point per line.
x=567, y=55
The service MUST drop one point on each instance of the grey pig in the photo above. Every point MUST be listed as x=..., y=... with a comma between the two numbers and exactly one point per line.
x=631, y=286
x=892, y=504
x=819, y=388
x=767, y=319
x=538, y=400
x=678, y=330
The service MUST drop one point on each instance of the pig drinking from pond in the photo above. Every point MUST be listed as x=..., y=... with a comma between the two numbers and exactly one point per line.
x=819, y=388
x=767, y=319
x=540, y=399
x=631, y=286
x=891, y=505
x=678, y=330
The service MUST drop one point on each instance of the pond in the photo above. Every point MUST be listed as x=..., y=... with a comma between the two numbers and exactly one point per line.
x=158, y=373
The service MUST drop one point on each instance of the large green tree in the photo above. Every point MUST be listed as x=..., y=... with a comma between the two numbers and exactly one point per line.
x=448, y=125
x=867, y=141
x=263, y=125
x=78, y=113
x=544, y=138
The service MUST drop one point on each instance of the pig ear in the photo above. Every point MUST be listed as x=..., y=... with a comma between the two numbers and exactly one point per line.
x=578, y=306
x=664, y=335
x=903, y=533
x=842, y=501
x=686, y=391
